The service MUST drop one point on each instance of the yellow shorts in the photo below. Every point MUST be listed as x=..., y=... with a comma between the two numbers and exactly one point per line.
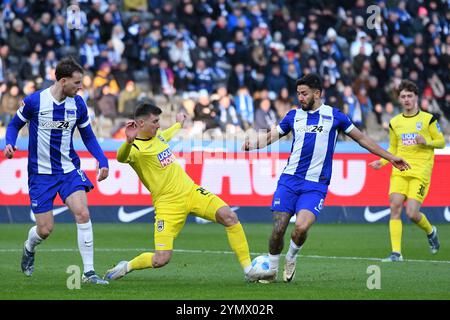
x=411, y=188
x=170, y=217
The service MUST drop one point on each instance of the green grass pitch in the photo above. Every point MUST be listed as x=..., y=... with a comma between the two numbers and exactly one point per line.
x=333, y=264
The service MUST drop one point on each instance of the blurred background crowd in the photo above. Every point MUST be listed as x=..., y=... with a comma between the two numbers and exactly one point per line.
x=230, y=65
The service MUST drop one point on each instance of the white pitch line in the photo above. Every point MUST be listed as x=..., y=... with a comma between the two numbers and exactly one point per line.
x=222, y=252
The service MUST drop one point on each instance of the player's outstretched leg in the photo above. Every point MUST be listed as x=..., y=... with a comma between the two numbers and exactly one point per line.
x=143, y=261
x=117, y=272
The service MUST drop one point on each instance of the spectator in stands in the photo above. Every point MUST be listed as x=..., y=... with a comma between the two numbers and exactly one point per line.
x=265, y=116
x=105, y=78
x=10, y=103
x=88, y=52
x=204, y=113
x=107, y=104
x=244, y=106
x=239, y=78
x=227, y=116
x=128, y=99
x=353, y=108
x=17, y=39
x=284, y=103
x=203, y=76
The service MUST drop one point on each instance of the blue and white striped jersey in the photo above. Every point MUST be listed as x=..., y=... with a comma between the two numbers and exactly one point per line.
x=51, y=127
x=315, y=134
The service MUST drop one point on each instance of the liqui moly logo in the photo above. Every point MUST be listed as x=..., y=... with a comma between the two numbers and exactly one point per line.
x=409, y=139
x=166, y=157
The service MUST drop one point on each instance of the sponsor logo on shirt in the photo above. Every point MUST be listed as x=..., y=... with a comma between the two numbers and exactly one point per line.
x=166, y=157
x=409, y=139
x=312, y=129
x=58, y=125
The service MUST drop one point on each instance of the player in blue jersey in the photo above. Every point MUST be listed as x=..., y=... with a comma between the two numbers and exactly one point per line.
x=303, y=184
x=53, y=165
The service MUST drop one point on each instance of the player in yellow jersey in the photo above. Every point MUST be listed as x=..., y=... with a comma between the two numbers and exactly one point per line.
x=413, y=135
x=174, y=194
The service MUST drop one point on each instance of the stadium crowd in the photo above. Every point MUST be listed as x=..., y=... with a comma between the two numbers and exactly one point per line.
x=231, y=65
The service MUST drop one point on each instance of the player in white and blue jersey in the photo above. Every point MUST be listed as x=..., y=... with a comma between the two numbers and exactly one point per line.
x=53, y=165
x=303, y=184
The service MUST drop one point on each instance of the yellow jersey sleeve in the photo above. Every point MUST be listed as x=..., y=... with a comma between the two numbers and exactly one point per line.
x=170, y=132
x=436, y=139
x=123, y=154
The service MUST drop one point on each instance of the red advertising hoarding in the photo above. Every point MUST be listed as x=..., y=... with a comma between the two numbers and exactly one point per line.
x=241, y=179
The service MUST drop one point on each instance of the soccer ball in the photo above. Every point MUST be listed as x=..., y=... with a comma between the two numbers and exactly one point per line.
x=261, y=263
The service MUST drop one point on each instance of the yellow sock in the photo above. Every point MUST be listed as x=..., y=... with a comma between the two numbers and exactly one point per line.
x=142, y=261
x=395, y=229
x=424, y=224
x=238, y=243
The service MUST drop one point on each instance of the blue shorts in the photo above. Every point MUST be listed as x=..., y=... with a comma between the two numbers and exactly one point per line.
x=287, y=200
x=44, y=187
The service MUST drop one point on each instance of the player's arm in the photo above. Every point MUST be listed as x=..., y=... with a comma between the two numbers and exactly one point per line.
x=123, y=154
x=367, y=143
x=377, y=164
x=23, y=115
x=90, y=141
x=262, y=141
x=170, y=132
x=437, y=140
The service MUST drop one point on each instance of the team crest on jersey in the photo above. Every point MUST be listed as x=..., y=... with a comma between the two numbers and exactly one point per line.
x=419, y=125
x=71, y=114
x=166, y=157
x=160, y=225
x=409, y=139
x=161, y=138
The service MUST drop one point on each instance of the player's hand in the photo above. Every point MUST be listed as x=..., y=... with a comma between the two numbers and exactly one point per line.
x=181, y=117
x=400, y=164
x=9, y=151
x=246, y=145
x=375, y=164
x=420, y=139
x=102, y=174
x=131, y=131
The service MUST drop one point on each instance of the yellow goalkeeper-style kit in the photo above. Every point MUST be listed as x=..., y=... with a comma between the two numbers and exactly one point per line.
x=403, y=130
x=174, y=193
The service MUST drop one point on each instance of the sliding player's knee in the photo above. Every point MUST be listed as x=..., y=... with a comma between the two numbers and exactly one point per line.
x=412, y=213
x=226, y=216
x=160, y=259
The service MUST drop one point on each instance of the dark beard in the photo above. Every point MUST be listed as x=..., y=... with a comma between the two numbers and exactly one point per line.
x=309, y=106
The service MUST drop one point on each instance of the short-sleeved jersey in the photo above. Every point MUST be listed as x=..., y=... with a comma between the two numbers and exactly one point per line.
x=315, y=135
x=157, y=168
x=51, y=127
x=402, y=142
